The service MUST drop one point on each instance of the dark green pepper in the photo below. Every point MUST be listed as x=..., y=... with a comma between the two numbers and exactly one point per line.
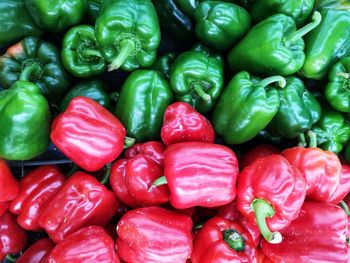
x=16, y=23
x=209, y=52
x=25, y=122
x=37, y=61
x=164, y=63
x=220, y=25
x=94, y=8
x=197, y=79
x=246, y=106
x=80, y=55
x=189, y=6
x=128, y=33
x=142, y=101
x=297, y=112
x=273, y=46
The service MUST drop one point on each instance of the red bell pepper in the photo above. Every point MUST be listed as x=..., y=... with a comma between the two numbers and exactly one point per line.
x=9, y=186
x=82, y=201
x=261, y=150
x=317, y=235
x=221, y=240
x=37, y=188
x=89, y=244
x=270, y=192
x=88, y=134
x=13, y=238
x=3, y=207
x=132, y=176
x=343, y=188
x=37, y=252
x=183, y=123
x=153, y=235
x=262, y=258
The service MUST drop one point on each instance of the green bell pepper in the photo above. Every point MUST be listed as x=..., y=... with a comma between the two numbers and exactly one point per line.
x=189, y=6
x=80, y=55
x=16, y=23
x=197, y=79
x=128, y=33
x=25, y=122
x=246, y=106
x=56, y=15
x=220, y=25
x=297, y=112
x=142, y=101
x=94, y=8
x=273, y=46
x=209, y=52
x=164, y=63
x=37, y=61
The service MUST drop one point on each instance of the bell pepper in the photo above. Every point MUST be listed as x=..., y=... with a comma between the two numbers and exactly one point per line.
x=189, y=6
x=317, y=235
x=37, y=252
x=36, y=61
x=261, y=150
x=13, y=30
x=270, y=193
x=128, y=33
x=343, y=188
x=9, y=187
x=57, y=15
x=222, y=240
x=164, y=63
x=209, y=52
x=80, y=55
x=154, y=234
x=25, y=122
x=88, y=134
x=3, y=207
x=220, y=25
x=94, y=8
x=262, y=258
x=132, y=176
x=297, y=112
x=82, y=201
x=37, y=188
x=280, y=49
x=89, y=244
x=142, y=101
x=197, y=79
x=246, y=106
x=13, y=238
x=183, y=123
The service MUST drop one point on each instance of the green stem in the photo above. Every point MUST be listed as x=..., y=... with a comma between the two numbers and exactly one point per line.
x=313, y=139
x=128, y=142
x=91, y=53
x=11, y=258
x=160, y=181
x=347, y=240
x=105, y=178
x=265, y=82
x=201, y=93
x=114, y=96
x=302, y=140
x=345, y=207
x=31, y=71
x=344, y=75
x=74, y=169
x=198, y=226
x=127, y=46
x=234, y=240
x=262, y=210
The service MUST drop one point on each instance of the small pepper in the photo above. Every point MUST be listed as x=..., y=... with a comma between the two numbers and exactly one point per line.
x=9, y=187
x=37, y=252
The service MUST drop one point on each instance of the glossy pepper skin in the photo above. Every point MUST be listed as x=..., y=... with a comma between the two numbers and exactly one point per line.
x=128, y=33
x=246, y=106
x=82, y=201
x=209, y=52
x=189, y=6
x=89, y=244
x=197, y=79
x=142, y=101
x=317, y=235
x=36, y=61
x=9, y=187
x=270, y=193
x=11, y=29
x=256, y=152
x=80, y=55
x=56, y=15
x=281, y=48
x=154, y=234
x=164, y=63
x=220, y=25
x=343, y=187
x=25, y=122
x=297, y=112
x=37, y=188
x=88, y=134
x=37, y=252
x=222, y=240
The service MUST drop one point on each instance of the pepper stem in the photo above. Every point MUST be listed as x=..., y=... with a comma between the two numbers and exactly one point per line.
x=91, y=53
x=114, y=96
x=159, y=181
x=11, y=258
x=344, y=75
x=74, y=169
x=345, y=207
x=201, y=93
x=316, y=20
x=29, y=71
x=313, y=139
x=105, y=178
x=302, y=140
x=128, y=142
x=126, y=47
x=234, y=240
x=265, y=82
x=262, y=210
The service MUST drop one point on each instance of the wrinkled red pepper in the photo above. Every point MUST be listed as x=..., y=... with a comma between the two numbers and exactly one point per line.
x=153, y=235
x=37, y=252
x=254, y=153
x=82, y=201
x=183, y=123
x=9, y=186
x=343, y=188
x=37, y=188
x=132, y=176
x=88, y=134
x=270, y=192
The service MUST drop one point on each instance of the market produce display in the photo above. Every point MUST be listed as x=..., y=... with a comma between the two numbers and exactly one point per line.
x=174, y=131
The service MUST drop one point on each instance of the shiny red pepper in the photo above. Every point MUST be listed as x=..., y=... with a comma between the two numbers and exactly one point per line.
x=37, y=252
x=3, y=207
x=82, y=201
x=88, y=134
x=270, y=192
x=221, y=240
x=183, y=123
x=261, y=150
x=262, y=258
x=153, y=235
x=37, y=188
x=343, y=188
x=317, y=235
x=9, y=186
x=132, y=176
